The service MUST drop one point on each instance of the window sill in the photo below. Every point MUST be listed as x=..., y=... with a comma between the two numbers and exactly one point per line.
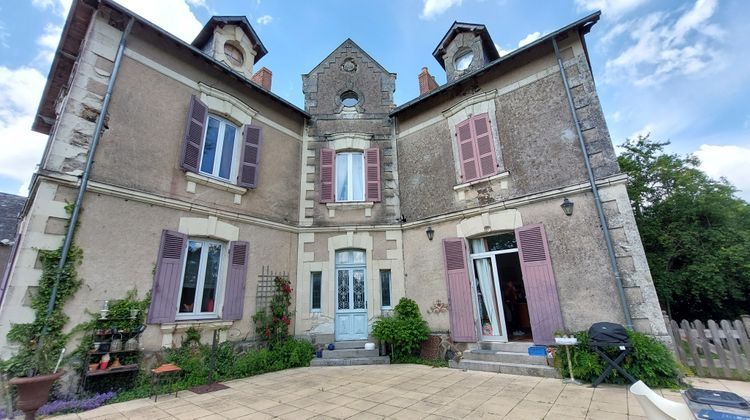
x=350, y=205
x=214, y=183
x=495, y=177
x=182, y=325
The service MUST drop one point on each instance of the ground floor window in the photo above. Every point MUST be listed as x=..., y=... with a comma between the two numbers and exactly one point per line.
x=201, y=279
x=385, y=289
x=315, y=280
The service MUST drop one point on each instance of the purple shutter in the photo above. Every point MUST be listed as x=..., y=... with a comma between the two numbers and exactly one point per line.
x=539, y=283
x=167, y=278
x=251, y=138
x=466, y=151
x=460, y=303
x=193, y=140
x=372, y=174
x=485, y=147
x=327, y=175
x=234, y=294
x=9, y=267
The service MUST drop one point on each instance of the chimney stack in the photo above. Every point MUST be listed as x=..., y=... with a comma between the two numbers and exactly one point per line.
x=426, y=82
x=263, y=78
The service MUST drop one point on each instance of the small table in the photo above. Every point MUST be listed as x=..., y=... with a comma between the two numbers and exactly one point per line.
x=567, y=342
x=169, y=370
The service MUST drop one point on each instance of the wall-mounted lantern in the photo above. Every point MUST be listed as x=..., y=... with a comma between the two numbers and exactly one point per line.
x=430, y=233
x=567, y=206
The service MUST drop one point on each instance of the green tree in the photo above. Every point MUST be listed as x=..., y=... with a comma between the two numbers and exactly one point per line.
x=696, y=233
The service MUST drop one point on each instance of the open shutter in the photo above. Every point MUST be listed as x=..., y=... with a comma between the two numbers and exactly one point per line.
x=539, y=283
x=466, y=151
x=460, y=302
x=485, y=150
x=9, y=267
x=372, y=174
x=167, y=279
x=234, y=294
x=193, y=140
x=251, y=138
x=327, y=175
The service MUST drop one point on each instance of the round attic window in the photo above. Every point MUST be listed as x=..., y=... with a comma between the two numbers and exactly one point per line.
x=463, y=60
x=233, y=54
x=349, y=99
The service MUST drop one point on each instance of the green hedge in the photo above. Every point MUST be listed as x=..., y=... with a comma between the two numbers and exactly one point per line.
x=650, y=361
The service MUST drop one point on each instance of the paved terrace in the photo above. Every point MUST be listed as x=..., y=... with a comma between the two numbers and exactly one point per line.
x=394, y=391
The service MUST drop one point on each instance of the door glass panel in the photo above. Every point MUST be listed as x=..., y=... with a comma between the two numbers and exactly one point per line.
x=358, y=257
x=343, y=257
x=190, y=281
x=359, y=289
x=487, y=297
x=343, y=289
x=212, y=277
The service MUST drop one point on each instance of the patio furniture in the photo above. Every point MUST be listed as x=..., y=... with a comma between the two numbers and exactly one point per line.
x=608, y=335
x=166, y=371
x=713, y=404
x=657, y=407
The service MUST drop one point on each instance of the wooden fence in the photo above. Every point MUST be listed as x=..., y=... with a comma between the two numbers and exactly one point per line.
x=717, y=350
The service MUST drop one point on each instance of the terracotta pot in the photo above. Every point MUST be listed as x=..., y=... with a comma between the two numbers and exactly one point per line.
x=33, y=392
x=93, y=367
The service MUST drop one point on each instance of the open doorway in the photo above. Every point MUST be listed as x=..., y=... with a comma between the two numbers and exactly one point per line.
x=500, y=297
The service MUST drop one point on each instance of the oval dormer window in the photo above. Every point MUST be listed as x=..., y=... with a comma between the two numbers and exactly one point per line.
x=349, y=99
x=463, y=60
x=233, y=54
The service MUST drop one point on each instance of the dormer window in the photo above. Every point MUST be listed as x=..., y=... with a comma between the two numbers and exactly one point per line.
x=463, y=60
x=233, y=54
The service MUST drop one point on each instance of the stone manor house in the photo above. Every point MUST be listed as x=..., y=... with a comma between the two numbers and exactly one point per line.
x=475, y=199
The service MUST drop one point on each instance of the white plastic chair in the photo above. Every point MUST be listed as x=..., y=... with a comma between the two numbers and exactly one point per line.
x=657, y=407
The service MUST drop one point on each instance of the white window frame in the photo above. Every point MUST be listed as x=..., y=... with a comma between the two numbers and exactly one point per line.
x=220, y=282
x=312, y=274
x=234, y=168
x=349, y=176
x=390, y=288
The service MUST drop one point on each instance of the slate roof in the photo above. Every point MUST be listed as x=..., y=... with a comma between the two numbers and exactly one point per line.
x=10, y=208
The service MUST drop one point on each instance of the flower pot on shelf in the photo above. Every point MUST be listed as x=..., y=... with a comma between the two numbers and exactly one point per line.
x=93, y=367
x=33, y=392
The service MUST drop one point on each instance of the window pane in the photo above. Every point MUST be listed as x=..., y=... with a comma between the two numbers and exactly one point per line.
x=358, y=181
x=343, y=289
x=190, y=281
x=385, y=288
x=315, y=280
x=502, y=241
x=357, y=257
x=359, y=289
x=342, y=169
x=209, y=145
x=212, y=276
x=227, y=150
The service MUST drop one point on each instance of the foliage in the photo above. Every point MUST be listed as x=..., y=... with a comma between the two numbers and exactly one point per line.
x=195, y=362
x=192, y=335
x=272, y=324
x=75, y=405
x=650, y=361
x=416, y=360
x=31, y=358
x=695, y=232
x=405, y=331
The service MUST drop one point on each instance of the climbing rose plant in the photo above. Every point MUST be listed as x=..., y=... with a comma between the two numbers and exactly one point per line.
x=272, y=323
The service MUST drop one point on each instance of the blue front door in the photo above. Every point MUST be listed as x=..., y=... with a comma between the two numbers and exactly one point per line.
x=351, y=304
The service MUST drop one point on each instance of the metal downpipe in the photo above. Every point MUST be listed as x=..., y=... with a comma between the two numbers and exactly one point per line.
x=595, y=191
x=85, y=176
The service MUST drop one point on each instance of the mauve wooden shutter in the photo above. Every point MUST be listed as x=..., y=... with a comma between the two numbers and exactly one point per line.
x=466, y=151
x=372, y=174
x=327, y=175
x=251, y=138
x=485, y=145
x=234, y=294
x=193, y=140
x=9, y=267
x=167, y=277
x=539, y=283
x=460, y=303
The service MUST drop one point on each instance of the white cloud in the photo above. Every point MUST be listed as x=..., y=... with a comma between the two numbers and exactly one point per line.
x=59, y=7
x=433, y=8
x=664, y=46
x=502, y=51
x=265, y=20
x=174, y=16
x=20, y=90
x=730, y=162
x=48, y=43
x=529, y=39
x=610, y=8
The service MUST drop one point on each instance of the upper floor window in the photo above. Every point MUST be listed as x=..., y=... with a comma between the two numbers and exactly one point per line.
x=350, y=176
x=476, y=148
x=219, y=147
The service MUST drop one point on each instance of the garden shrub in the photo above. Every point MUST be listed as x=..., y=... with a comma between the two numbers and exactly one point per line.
x=405, y=331
x=650, y=361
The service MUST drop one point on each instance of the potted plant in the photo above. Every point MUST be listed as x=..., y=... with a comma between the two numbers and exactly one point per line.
x=33, y=390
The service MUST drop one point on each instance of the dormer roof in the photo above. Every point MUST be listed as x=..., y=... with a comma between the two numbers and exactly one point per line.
x=208, y=30
x=459, y=27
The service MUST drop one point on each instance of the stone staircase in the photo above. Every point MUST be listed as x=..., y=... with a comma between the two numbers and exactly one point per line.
x=512, y=358
x=348, y=353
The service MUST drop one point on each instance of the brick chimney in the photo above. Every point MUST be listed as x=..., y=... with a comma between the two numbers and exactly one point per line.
x=263, y=78
x=426, y=82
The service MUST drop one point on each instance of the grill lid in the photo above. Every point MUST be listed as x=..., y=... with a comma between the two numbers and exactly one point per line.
x=608, y=333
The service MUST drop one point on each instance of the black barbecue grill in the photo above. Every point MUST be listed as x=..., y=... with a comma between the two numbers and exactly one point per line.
x=605, y=336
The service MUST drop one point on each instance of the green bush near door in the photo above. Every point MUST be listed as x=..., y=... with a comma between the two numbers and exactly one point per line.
x=405, y=331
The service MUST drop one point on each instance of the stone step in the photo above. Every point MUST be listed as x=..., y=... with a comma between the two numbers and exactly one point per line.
x=509, y=368
x=349, y=353
x=504, y=357
x=356, y=344
x=378, y=360
x=511, y=346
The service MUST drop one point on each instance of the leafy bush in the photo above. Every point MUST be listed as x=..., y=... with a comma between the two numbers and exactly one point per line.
x=650, y=361
x=405, y=331
x=272, y=324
